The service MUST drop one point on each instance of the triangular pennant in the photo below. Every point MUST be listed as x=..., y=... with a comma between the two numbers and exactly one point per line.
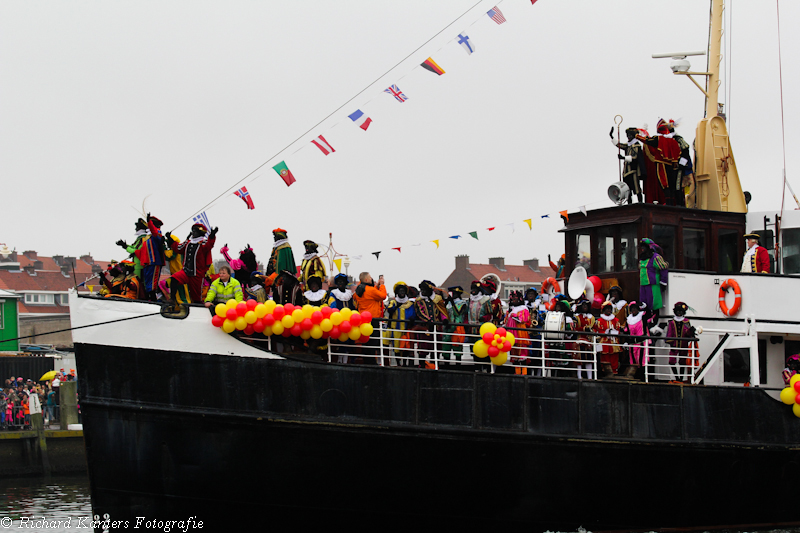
x=455, y=236
x=512, y=226
x=583, y=209
x=564, y=214
x=474, y=234
x=377, y=255
x=436, y=242
x=338, y=263
x=398, y=249
x=356, y=257
x=545, y=216
x=529, y=222
x=490, y=229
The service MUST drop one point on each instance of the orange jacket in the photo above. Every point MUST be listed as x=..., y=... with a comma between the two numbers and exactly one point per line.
x=372, y=301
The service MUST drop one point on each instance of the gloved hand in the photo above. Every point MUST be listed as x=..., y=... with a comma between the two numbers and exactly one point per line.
x=213, y=233
x=122, y=243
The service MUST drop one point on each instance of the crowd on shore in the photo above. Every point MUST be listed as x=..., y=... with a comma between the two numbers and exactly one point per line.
x=19, y=395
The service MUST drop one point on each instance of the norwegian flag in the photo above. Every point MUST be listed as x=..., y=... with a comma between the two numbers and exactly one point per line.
x=496, y=15
x=395, y=91
x=244, y=195
x=323, y=145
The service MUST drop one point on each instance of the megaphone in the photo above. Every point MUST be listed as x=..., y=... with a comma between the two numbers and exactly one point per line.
x=619, y=192
x=577, y=283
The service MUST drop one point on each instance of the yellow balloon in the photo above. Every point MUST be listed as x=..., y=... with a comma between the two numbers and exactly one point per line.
x=346, y=312
x=366, y=329
x=316, y=331
x=305, y=335
x=240, y=323
x=794, y=380
x=796, y=410
x=480, y=349
x=277, y=328
x=270, y=305
x=230, y=304
x=250, y=317
x=788, y=395
x=326, y=324
x=354, y=334
x=307, y=311
x=221, y=310
x=268, y=330
x=287, y=321
x=228, y=326
x=337, y=318
x=487, y=327
x=261, y=310
x=510, y=338
x=297, y=315
x=501, y=359
x=315, y=308
x=343, y=337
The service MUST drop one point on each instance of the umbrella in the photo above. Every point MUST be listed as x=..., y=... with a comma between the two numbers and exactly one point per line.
x=48, y=376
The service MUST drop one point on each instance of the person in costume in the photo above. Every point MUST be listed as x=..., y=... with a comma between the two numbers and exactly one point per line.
x=584, y=321
x=558, y=269
x=454, y=331
x=635, y=326
x=286, y=289
x=396, y=335
x=242, y=267
x=756, y=258
x=489, y=288
x=341, y=296
x=478, y=307
x=140, y=231
x=256, y=289
x=519, y=316
x=685, y=180
x=428, y=309
x=679, y=327
x=609, y=347
x=792, y=368
x=151, y=256
x=560, y=353
x=224, y=288
x=130, y=288
x=114, y=285
x=662, y=153
x=619, y=303
x=316, y=296
x=653, y=272
x=312, y=264
x=175, y=262
x=196, y=252
x=633, y=170
x=282, y=257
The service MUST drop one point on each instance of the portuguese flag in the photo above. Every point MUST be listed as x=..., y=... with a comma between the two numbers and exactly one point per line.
x=430, y=64
x=284, y=173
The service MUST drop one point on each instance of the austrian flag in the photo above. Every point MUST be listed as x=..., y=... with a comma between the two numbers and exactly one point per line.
x=244, y=195
x=323, y=145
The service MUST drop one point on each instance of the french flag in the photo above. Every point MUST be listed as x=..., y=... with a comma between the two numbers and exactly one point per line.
x=361, y=120
x=323, y=145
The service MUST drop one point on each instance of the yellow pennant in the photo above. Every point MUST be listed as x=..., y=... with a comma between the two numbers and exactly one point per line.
x=338, y=263
x=528, y=222
x=436, y=242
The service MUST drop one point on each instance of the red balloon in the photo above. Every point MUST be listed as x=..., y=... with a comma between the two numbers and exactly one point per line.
x=335, y=332
x=345, y=327
x=286, y=333
x=249, y=330
x=259, y=326
x=363, y=339
x=316, y=317
x=797, y=386
x=366, y=316
x=598, y=301
x=269, y=320
x=797, y=399
x=306, y=324
x=506, y=346
x=326, y=334
x=501, y=331
x=230, y=314
x=251, y=304
x=296, y=330
x=217, y=321
x=597, y=283
x=488, y=337
x=289, y=308
x=355, y=319
x=279, y=312
x=241, y=308
x=493, y=351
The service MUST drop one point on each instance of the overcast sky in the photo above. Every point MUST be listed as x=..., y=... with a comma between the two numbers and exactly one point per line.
x=105, y=103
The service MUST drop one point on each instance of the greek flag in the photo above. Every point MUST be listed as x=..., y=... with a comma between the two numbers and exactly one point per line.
x=202, y=218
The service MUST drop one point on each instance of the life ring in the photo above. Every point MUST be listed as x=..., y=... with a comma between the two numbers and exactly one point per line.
x=551, y=283
x=737, y=301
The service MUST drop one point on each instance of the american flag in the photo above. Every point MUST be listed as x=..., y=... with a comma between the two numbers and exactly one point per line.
x=244, y=195
x=395, y=91
x=496, y=15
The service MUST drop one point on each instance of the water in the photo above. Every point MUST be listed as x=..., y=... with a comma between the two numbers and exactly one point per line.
x=24, y=502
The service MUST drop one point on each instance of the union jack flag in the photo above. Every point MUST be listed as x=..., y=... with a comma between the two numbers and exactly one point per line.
x=395, y=91
x=244, y=195
x=496, y=15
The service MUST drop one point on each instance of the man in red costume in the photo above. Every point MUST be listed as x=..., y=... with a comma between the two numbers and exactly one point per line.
x=196, y=252
x=756, y=258
x=662, y=153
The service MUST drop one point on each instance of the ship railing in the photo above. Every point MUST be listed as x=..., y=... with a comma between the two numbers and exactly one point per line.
x=537, y=352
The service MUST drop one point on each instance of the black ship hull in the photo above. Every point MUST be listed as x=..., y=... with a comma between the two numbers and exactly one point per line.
x=227, y=439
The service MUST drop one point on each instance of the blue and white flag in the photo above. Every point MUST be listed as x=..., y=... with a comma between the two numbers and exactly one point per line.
x=464, y=41
x=202, y=218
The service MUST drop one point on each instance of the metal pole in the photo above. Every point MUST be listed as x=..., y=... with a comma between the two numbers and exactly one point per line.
x=380, y=340
x=646, y=359
x=435, y=347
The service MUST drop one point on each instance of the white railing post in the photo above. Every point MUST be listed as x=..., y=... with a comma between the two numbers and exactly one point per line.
x=435, y=347
x=646, y=360
x=595, y=361
x=544, y=364
x=380, y=341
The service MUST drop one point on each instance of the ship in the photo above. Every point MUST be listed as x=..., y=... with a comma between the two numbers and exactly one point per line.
x=183, y=422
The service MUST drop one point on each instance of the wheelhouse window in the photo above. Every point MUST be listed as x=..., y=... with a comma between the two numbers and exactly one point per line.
x=664, y=236
x=605, y=249
x=583, y=245
x=728, y=254
x=694, y=248
x=627, y=247
x=791, y=250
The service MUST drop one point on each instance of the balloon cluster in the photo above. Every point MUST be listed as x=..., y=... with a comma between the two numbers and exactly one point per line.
x=494, y=342
x=791, y=395
x=306, y=322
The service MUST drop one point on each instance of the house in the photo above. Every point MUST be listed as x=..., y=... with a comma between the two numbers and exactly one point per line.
x=512, y=277
x=41, y=286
